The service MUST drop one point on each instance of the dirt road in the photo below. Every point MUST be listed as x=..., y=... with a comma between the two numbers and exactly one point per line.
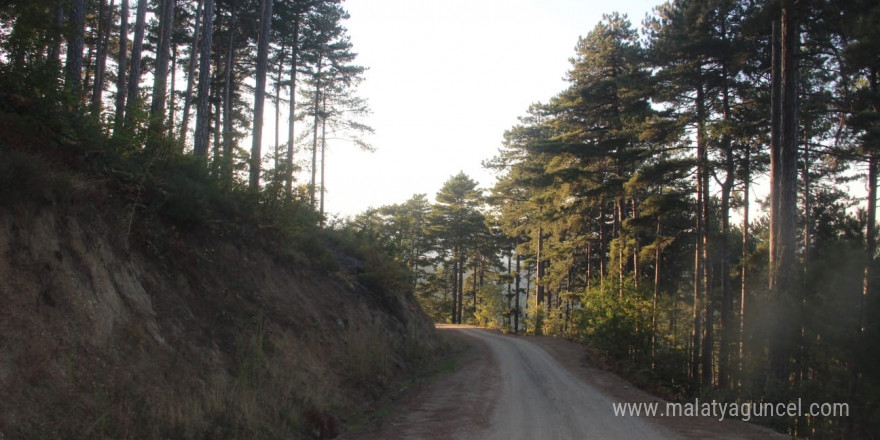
x=510, y=388
x=538, y=398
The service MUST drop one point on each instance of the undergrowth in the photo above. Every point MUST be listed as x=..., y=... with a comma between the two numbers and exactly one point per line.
x=267, y=380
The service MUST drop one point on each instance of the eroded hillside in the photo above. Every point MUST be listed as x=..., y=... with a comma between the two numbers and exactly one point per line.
x=119, y=323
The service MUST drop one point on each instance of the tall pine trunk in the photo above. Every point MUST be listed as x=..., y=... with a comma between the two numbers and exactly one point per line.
x=323, y=153
x=516, y=310
x=105, y=19
x=316, y=115
x=190, y=75
x=744, y=288
x=291, y=118
x=783, y=268
x=656, y=296
x=202, y=109
x=260, y=93
x=226, y=164
x=724, y=264
x=160, y=75
x=698, y=361
x=54, y=54
x=121, y=76
x=75, y=41
x=603, y=245
x=134, y=74
x=172, y=99
x=277, y=149
x=539, y=281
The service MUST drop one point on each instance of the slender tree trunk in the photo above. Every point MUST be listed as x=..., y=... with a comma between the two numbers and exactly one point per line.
x=539, y=281
x=618, y=232
x=203, y=110
x=260, y=92
x=312, y=199
x=54, y=54
x=461, y=289
x=323, y=154
x=516, y=310
x=474, y=285
x=277, y=154
x=217, y=144
x=172, y=100
x=775, y=146
x=75, y=42
x=745, y=257
x=190, y=75
x=603, y=245
x=89, y=46
x=134, y=75
x=509, y=287
x=121, y=77
x=228, y=131
x=808, y=229
x=454, y=313
x=724, y=266
x=708, y=326
x=636, y=248
x=696, y=337
x=291, y=118
x=101, y=67
x=782, y=291
x=160, y=75
x=528, y=283
x=589, y=264
x=656, y=297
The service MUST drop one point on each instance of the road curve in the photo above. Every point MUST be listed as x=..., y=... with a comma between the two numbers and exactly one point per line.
x=508, y=388
x=539, y=398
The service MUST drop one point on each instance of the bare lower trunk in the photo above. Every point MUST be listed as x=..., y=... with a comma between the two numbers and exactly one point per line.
x=190, y=75
x=745, y=257
x=202, y=109
x=323, y=154
x=75, y=40
x=101, y=64
x=121, y=78
x=516, y=310
x=172, y=99
x=539, y=284
x=54, y=54
x=134, y=75
x=312, y=199
x=260, y=93
x=277, y=151
x=226, y=167
x=784, y=269
x=291, y=118
x=160, y=75
x=656, y=296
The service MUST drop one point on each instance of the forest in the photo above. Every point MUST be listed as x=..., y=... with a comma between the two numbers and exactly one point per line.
x=699, y=203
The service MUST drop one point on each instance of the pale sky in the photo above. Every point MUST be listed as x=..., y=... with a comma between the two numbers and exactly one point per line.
x=445, y=80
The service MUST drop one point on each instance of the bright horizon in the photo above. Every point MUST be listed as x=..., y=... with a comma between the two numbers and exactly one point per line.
x=445, y=81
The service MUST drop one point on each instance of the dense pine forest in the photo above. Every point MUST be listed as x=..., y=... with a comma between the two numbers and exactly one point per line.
x=197, y=77
x=698, y=204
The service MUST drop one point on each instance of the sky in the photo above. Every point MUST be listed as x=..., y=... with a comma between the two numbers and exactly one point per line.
x=445, y=79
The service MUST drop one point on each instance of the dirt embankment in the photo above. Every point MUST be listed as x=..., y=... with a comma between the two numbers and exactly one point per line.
x=106, y=333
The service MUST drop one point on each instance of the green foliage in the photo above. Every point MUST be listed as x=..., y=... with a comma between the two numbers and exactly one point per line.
x=376, y=268
x=491, y=308
x=618, y=323
x=23, y=179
